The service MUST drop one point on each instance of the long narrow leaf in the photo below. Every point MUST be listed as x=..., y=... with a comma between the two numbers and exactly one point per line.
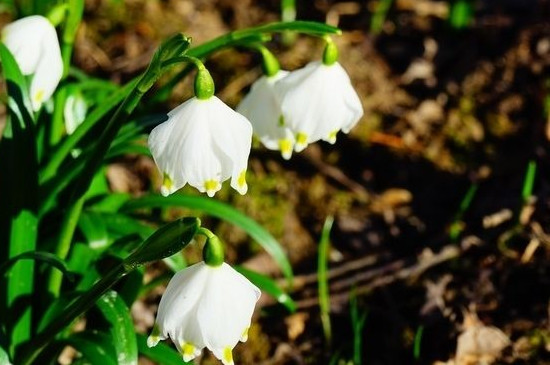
x=46, y=257
x=19, y=183
x=117, y=314
x=223, y=211
x=269, y=286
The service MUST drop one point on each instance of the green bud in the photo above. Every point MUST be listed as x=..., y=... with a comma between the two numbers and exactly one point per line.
x=330, y=54
x=204, y=84
x=212, y=252
x=166, y=241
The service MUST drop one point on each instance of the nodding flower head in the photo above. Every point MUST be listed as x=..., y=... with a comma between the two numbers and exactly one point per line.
x=203, y=143
x=317, y=102
x=33, y=42
x=206, y=306
x=261, y=106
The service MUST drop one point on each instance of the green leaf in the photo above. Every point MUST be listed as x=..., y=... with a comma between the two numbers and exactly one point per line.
x=166, y=241
x=108, y=203
x=46, y=257
x=269, y=286
x=94, y=229
x=18, y=216
x=94, y=347
x=161, y=353
x=69, y=143
x=223, y=211
x=117, y=314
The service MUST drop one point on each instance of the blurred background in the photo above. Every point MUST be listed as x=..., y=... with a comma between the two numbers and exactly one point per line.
x=440, y=244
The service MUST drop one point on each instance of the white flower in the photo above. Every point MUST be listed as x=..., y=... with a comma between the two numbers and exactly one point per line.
x=206, y=306
x=34, y=45
x=263, y=110
x=317, y=101
x=203, y=143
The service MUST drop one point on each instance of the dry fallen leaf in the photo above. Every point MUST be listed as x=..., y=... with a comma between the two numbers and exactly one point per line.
x=479, y=344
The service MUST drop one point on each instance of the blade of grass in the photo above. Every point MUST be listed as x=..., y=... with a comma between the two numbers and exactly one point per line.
x=418, y=342
x=322, y=277
x=357, y=324
x=529, y=181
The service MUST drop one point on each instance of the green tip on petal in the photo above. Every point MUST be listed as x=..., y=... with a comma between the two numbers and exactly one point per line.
x=154, y=337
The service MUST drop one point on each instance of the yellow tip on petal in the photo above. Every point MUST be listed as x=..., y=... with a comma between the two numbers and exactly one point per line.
x=244, y=335
x=152, y=341
x=167, y=185
x=38, y=96
x=211, y=186
x=332, y=137
x=188, y=351
x=227, y=358
x=242, y=179
x=301, y=141
x=285, y=145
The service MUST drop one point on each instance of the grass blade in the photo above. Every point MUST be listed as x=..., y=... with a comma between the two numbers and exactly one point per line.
x=324, y=295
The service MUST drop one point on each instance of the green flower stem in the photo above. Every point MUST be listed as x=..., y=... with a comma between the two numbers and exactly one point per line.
x=75, y=10
x=212, y=252
x=68, y=226
x=330, y=54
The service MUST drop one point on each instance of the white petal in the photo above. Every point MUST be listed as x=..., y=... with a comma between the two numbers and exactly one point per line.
x=46, y=78
x=35, y=47
x=179, y=301
x=317, y=101
x=223, y=325
x=261, y=106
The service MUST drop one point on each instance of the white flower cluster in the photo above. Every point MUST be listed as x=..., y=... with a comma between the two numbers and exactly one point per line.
x=290, y=110
x=204, y=142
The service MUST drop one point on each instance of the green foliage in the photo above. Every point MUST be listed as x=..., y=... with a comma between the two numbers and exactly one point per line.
x=64, y=226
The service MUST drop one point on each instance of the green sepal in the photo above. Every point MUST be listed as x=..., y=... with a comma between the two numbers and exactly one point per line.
x=330, y=54
x=204, y=84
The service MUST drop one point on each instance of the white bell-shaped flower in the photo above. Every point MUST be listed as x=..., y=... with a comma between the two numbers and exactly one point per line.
x=317, y=101
x=263, y=109
x=33, y=42
x=206, y=306
x=203, y=143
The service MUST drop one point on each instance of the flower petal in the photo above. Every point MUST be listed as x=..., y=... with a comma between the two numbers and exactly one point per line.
x=223, y=325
